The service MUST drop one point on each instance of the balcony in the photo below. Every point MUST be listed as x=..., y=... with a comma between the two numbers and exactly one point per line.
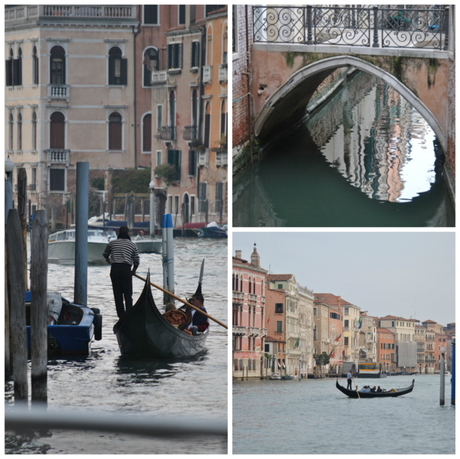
x=262, y=300
x=59, y=91
x=223, y=73
x=168, y=133
x=58, y=156
x=263, y=332
x=203, y=158
x=207, y=73
x=190, y=133
x=221, y=158
x=253, y=331
x=252, y=297
x=159, y=77
x=238, y=330
x=238, y=297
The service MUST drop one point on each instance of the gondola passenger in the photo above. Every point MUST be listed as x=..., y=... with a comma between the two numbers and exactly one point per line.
x=195, y=320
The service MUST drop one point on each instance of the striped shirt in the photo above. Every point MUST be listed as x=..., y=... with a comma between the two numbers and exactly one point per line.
x=122, y=251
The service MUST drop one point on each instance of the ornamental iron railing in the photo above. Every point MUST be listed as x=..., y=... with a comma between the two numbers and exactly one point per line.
x=421, y=27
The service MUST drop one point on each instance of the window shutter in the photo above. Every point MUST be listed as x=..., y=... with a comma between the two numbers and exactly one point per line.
x=111, y=70
x=170, y=56
x=191, y=162
x=9, y=72
x=124, y=71
x=16, y=73
x=174, y=158
x=195, y=54
x=180, y=56
x=57, y=179
x=147, y=133
x=219, y=192
x=147, y=76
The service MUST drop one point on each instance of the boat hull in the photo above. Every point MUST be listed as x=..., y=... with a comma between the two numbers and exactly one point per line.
x=142, y=332
x=354, y=394
x=63, y=252
x=149, y=245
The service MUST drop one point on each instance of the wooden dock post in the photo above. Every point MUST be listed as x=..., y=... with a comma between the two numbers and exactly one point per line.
x=38, y=312
x=22, y=210
x=17, y=307
x=8, y=369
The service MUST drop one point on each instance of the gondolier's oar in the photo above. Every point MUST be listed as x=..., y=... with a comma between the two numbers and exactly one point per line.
x=181, y=300
x=356, y=387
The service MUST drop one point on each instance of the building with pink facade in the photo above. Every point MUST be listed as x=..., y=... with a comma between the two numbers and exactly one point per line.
x=248, y=316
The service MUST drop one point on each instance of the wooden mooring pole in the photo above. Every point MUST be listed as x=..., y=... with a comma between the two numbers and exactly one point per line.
x=22, y=209
x=38, y=312
x=17, y=306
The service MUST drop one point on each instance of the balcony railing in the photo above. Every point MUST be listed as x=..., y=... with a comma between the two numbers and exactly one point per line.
x=253, y=331
x=221, y=158
x=238, y=330
x=223, y=73
x=190, y=133
x=207, y=73
x=168, y=133
x=238, y=297
x=58, y=156
x=252, y=297
x=417, y=27
x=159, y=77
x=59, y=91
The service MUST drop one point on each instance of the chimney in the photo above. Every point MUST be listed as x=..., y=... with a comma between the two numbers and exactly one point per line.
x=255, y=258
x=238, y=254
x=338, y=301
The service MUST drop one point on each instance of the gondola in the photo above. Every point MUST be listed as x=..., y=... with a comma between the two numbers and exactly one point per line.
x=354, y=394
x=142, y=332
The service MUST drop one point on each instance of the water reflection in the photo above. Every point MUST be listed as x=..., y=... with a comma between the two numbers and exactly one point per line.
x=366, y=136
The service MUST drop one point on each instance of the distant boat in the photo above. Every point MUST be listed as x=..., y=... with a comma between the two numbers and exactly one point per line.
x=212, y=230
x=390, y=393
x=71, y=327
x=61, y=246
x=148, y=245
x=274, y=376
x=287, y=377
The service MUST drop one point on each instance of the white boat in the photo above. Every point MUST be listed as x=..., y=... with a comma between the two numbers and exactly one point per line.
x=148, y=245
x=61, y=246
x=274, y=376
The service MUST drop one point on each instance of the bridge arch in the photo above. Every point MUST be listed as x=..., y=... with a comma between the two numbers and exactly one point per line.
x=286, y=106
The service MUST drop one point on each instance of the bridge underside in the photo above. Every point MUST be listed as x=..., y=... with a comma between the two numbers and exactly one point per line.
x=285, y=104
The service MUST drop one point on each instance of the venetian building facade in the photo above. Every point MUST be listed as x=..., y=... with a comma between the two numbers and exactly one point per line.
x=420, y=338
x=386, y=353
x=368, y=338
x=306, y=300
x=69, y=96
x=248, y=316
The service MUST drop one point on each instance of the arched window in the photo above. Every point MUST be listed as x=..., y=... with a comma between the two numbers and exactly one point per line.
x=236, y=285
x=147, y=134
x=10, y=133
x=19, y=131
x=207, y=124
x=241, y=286
x=172, y=108
x=118, y=67
x=35, y=66
x=115, y=132
x=57, y=70
x=151, y=64
x=233, y=281
x=9, y=68
x=57, y=131
x=34, y=131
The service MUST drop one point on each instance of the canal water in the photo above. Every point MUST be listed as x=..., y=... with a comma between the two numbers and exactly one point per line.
x=364, y=159
x=105, y=382
x=313, y=417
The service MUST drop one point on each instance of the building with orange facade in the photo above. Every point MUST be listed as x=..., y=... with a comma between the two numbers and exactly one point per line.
x=248, y=316
x=420, y=338
x=386, y=353
x=438, y=344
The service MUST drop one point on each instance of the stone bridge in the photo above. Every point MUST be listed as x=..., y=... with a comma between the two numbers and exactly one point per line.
x=288, y=67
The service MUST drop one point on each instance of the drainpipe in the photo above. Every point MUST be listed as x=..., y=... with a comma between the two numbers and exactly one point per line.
x=249, y=83
x=135, y=32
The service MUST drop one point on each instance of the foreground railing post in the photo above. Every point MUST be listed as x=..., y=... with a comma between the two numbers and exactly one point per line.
x=310, y=26
x=376, y=25
x=446, y=39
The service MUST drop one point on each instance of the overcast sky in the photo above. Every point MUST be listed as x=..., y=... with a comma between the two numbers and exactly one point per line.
x=407, y=274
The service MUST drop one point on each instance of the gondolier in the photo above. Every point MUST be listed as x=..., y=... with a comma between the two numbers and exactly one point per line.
x=121, y=254
x=349, y=376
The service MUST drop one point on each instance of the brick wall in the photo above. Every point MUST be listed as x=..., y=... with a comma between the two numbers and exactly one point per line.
x=240, y=81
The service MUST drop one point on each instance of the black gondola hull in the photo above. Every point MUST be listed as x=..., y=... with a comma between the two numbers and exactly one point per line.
x=142, y=332
x=354, y=394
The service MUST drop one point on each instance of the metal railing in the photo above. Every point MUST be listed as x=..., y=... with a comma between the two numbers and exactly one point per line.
x=168, y=133
x=366, y=26
x=190, y=133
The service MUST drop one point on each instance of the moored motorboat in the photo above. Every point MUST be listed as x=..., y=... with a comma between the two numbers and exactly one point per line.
x=71, y=327
x=212, y=230
x=143, y=332
x=274, y=376
x=147, y=245
x=287, y=377
x=390, y=393
x=61, y=246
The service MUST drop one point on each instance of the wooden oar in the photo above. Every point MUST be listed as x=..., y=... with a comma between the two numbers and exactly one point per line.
x=183, y=301
x=356, y=387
